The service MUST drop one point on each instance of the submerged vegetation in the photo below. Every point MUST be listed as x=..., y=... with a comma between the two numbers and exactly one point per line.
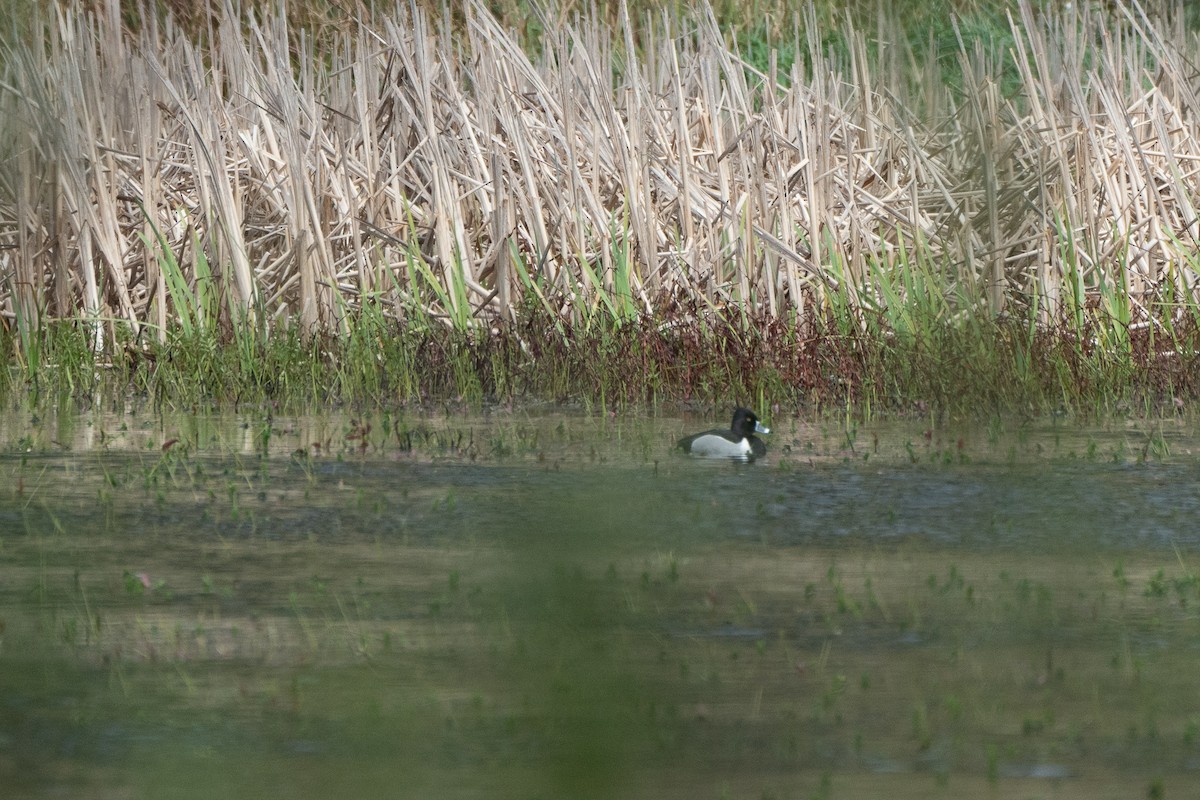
x=527, y=605
x=992, y=211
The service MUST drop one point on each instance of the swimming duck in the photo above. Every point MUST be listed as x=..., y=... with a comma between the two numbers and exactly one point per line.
x=738, y=441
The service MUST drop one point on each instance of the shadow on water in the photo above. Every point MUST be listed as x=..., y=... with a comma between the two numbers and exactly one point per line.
x=564, y=609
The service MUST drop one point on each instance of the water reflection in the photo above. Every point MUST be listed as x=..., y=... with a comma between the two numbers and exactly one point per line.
x=525, y=605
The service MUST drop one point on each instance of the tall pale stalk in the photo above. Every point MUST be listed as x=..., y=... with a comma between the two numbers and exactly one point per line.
x=436, y=166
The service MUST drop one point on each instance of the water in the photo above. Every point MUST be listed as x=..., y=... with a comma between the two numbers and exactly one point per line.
x=528, y=604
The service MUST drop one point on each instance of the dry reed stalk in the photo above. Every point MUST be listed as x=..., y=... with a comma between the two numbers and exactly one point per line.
x=671, y=170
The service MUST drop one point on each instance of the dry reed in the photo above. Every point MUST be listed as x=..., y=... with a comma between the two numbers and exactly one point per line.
x=435, y=169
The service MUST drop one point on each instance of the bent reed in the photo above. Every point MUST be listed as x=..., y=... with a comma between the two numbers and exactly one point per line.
x=863, y=207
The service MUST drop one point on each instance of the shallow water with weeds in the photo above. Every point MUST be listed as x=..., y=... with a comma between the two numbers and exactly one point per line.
x=540, y=604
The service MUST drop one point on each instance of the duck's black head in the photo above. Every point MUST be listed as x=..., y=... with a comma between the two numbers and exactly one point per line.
x=745, y=423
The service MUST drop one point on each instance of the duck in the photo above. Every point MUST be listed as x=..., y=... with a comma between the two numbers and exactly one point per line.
x=738, y=441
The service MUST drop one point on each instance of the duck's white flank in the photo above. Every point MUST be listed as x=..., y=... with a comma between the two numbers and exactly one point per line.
x=719, y=446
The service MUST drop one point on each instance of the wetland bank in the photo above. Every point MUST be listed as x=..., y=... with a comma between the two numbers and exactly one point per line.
x=547, y=604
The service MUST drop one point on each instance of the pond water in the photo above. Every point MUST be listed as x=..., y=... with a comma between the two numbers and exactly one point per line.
x=543, y=604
